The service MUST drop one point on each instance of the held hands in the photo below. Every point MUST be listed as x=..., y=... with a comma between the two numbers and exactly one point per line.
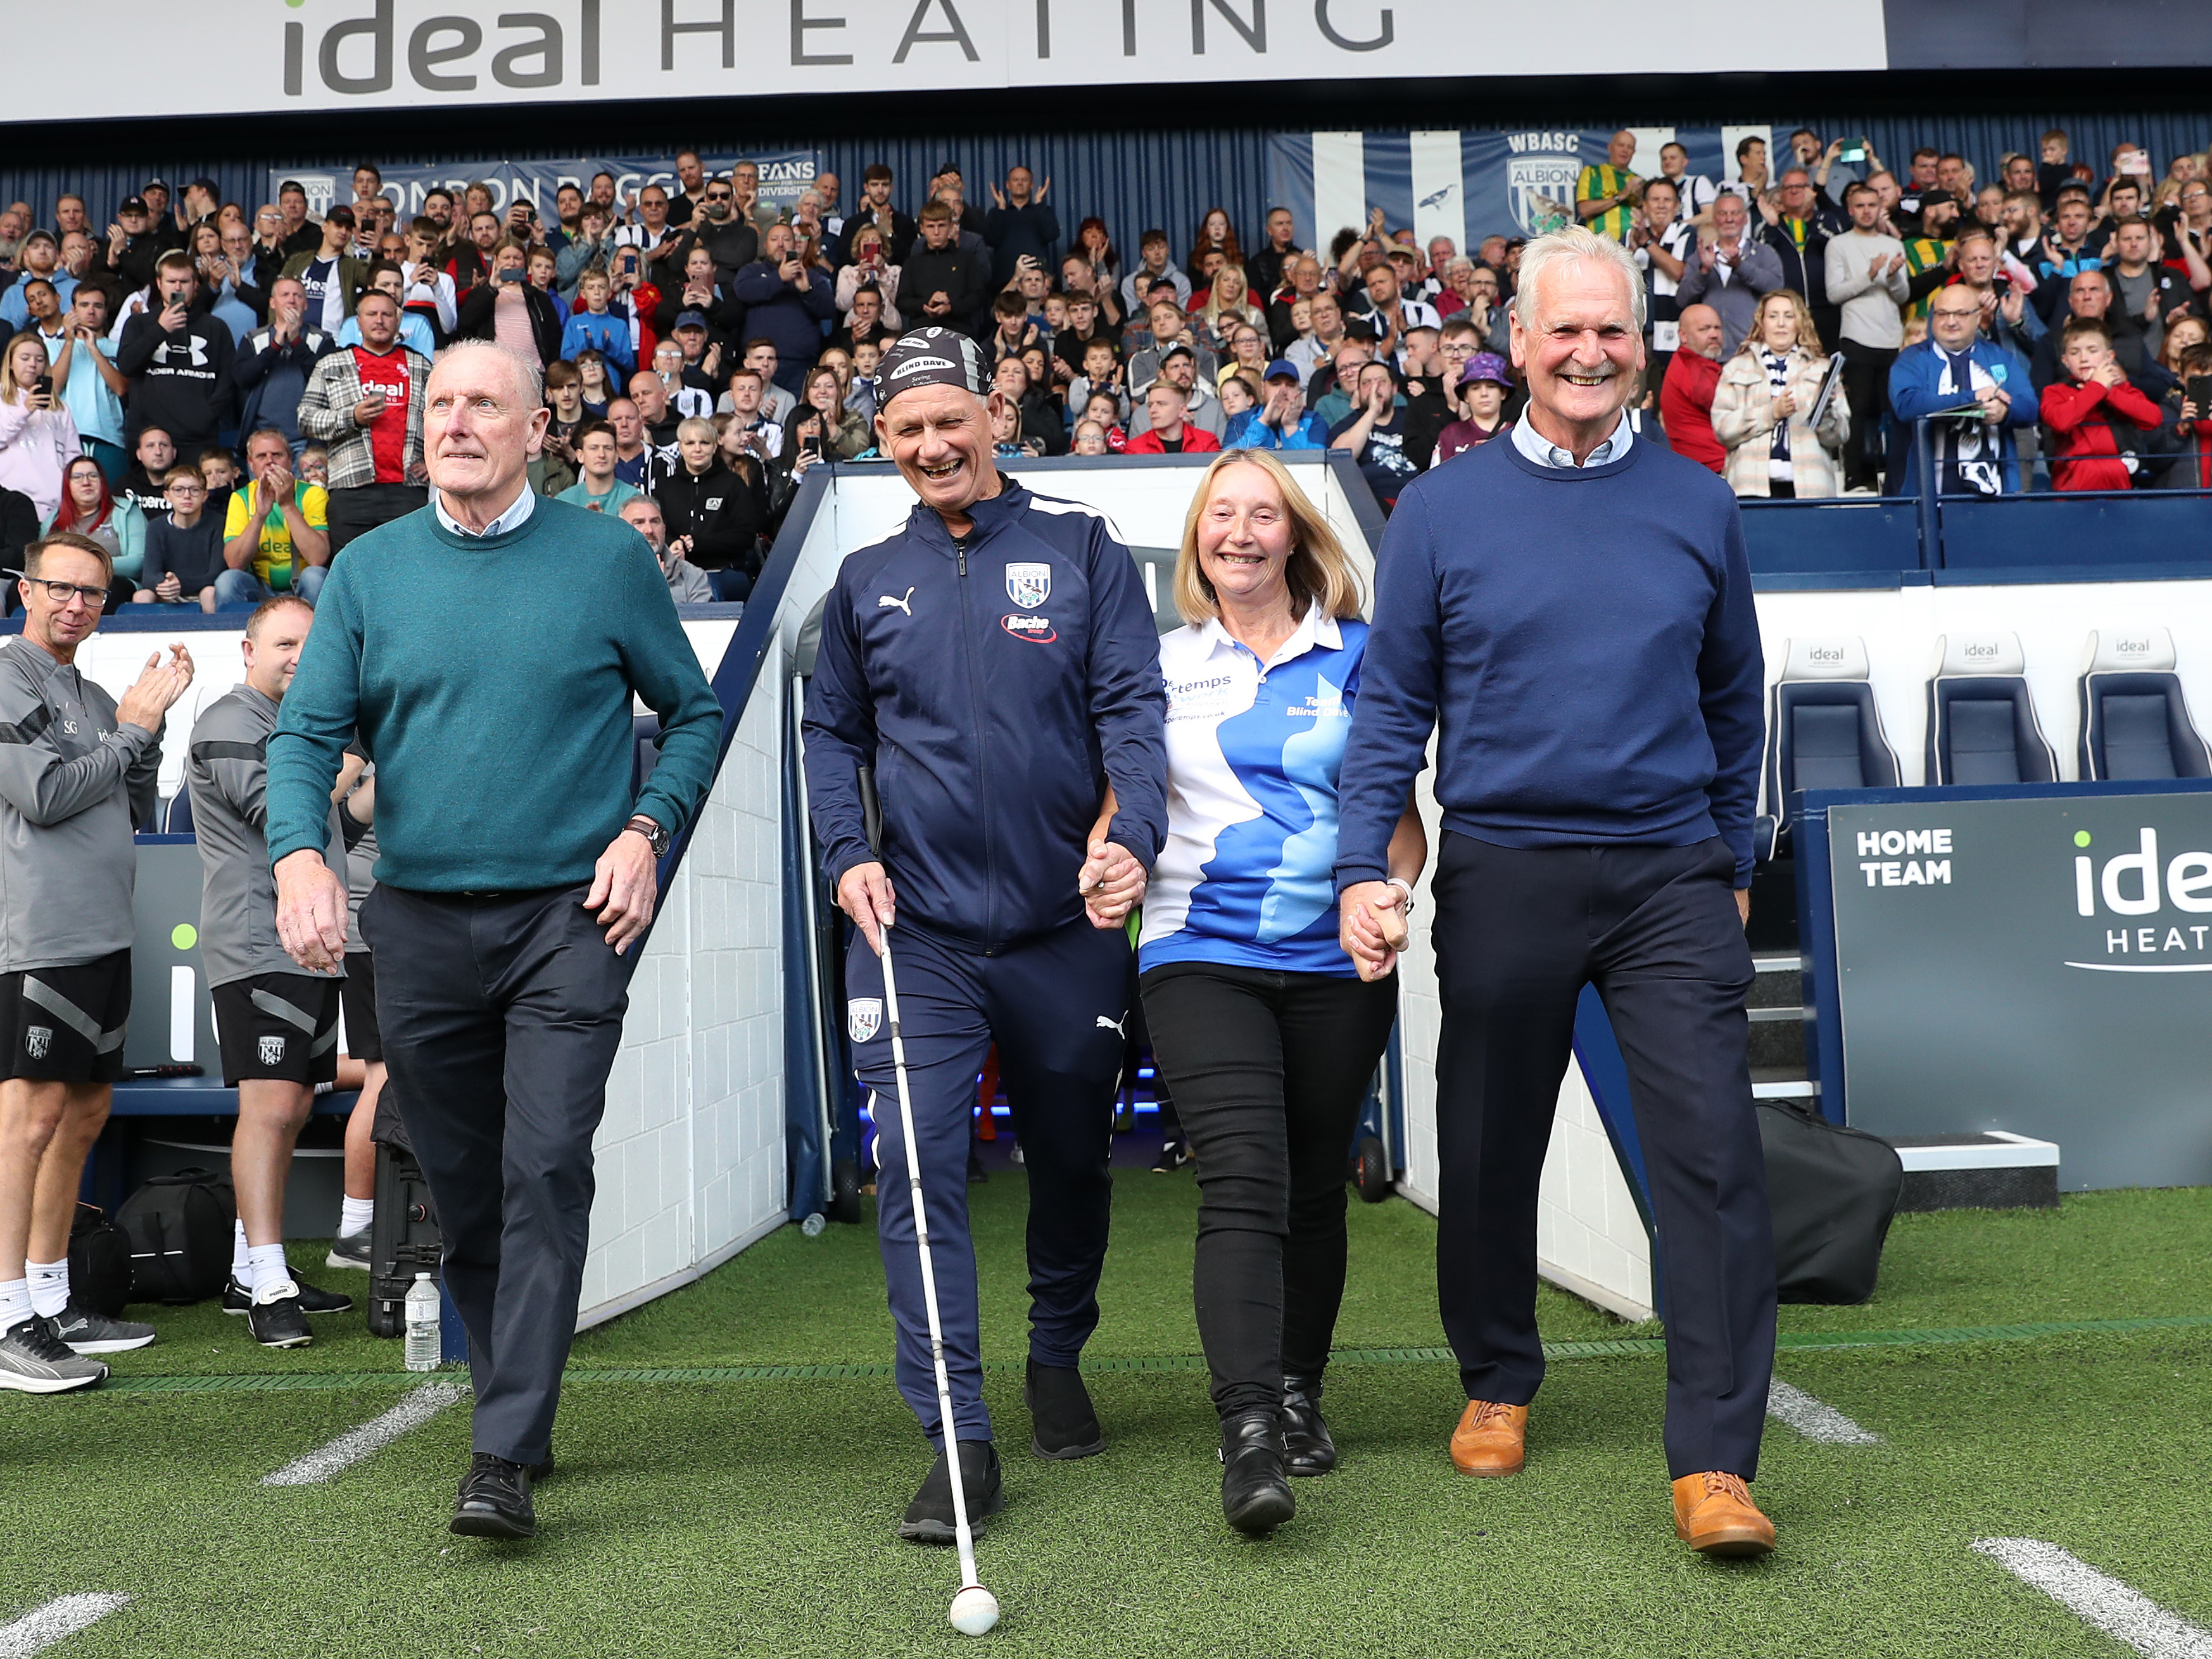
x=864, y=893
x=1371, y=927
x=625, y=886
x=311, y=911
x=157, y=690
x=1112, y=884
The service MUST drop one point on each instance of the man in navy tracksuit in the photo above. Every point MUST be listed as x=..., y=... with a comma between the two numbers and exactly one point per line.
x=997, y=664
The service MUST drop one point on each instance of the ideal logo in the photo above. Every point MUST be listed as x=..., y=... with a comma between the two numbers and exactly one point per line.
x=1976, y=653
x=354, y=54
x=2128, y=650
x=2130, y=884
x=1824, y=653
x=1879, y=849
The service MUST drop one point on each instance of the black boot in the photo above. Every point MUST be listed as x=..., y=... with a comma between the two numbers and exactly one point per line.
x=1066, y=1425
x=929, y=1519
x=1254, y=1495
x=1307, y=1449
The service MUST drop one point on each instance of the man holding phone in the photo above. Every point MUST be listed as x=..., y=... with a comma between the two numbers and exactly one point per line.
x=786, y=301
x=177, y=361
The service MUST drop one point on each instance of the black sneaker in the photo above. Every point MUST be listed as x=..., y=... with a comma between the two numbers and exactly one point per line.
x=280, y=1322
x=1173, y=1154
x=33, y=1360
x=350, y=1251
x=237, y=1299
x=86, y=1332
x=929, y=1518
x=1066, y=1425
x=494, y=1500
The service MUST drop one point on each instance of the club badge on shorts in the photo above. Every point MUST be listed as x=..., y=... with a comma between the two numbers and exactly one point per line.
x=272, y=1050
x=38, y=1041
x=1028, y=585
x=864, y=1018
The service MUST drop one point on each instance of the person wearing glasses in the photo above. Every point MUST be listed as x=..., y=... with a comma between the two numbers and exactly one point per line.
x=77, y=772
x=723, y=232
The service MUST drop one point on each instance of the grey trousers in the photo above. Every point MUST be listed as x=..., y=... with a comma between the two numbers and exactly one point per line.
x=501, y=1014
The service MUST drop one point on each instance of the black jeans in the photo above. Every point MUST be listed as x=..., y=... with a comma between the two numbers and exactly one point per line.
x=1519, y=931
x=1268, y=1071
x=501, y=1017
x=356, y=511
x=1866, y=388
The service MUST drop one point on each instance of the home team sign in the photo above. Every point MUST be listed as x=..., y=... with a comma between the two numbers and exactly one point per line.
x=278, y=56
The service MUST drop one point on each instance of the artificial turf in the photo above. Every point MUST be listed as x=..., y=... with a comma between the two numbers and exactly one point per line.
x=756, y=1516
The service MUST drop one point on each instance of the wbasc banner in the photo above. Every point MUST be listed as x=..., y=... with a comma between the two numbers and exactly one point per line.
x=1465, y=185
x=783, y=175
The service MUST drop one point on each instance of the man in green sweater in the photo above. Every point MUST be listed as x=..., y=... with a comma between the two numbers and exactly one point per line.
x=486, y=649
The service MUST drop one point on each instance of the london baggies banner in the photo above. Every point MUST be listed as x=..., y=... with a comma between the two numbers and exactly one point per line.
x=783, y=175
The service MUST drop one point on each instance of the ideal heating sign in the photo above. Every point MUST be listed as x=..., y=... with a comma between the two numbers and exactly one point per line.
x=2038, y=964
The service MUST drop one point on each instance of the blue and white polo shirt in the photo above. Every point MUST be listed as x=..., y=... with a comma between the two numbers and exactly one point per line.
x=1246, y=876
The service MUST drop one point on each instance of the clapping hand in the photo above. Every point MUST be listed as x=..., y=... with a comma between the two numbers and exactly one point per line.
x=157, y=690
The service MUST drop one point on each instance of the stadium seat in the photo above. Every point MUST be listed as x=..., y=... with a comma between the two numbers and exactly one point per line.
x=645, y=730
x=2134, y=721
x=1982, y=727
x=179, y=821
x=1823, y=728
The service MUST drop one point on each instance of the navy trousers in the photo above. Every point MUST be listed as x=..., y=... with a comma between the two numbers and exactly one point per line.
x=1519, y=931
x=1056, y=1006
x=501, y=1017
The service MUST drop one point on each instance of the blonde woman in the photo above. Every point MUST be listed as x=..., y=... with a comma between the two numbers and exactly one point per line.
x=1264, y=1031
x=1765, y=399
x=1228, y=303
x=38, y=439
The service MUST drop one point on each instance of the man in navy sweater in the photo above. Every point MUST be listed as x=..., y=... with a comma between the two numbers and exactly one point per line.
x=1573, y=610
x=995, y=662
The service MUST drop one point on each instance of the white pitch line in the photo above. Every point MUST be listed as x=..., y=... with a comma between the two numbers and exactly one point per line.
x=1815, y=1420
x=417, y=1408
x=59, y=1619
x=2101, y=1600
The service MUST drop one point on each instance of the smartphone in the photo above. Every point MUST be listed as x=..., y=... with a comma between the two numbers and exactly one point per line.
x=2136, y=162
x=2200, y=393
x=810, y=446
x=43, y=386
x=508, y=274
x=1853, y=153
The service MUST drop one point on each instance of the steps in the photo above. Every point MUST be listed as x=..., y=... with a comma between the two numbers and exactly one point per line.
x=1777, y=1007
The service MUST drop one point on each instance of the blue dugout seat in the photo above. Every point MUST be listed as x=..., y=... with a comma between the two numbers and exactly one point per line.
x=1824, y=729
x=1982, y=727
x=2134, y=723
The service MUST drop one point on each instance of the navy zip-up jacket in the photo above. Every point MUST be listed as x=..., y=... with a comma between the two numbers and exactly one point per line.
x=996, y=686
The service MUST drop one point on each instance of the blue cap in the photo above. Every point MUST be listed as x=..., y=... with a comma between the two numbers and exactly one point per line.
x=1281, y=369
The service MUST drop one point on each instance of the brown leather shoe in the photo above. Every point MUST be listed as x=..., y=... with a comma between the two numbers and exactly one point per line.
x=1714, y=1515
x=1491, y=1438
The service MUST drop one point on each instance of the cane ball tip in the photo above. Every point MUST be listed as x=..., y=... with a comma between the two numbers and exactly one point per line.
x=975, y=1610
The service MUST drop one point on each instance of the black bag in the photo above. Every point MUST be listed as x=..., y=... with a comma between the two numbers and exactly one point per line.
x=180, y=1228
x=404, y=1240
x=99, y=1262
x=1833, y=1190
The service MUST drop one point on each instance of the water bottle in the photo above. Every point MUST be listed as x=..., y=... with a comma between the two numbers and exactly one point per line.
x=424, y=1344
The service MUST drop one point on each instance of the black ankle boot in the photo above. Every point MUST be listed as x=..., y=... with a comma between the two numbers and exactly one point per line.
x=1255, y=1497
x=1306, y=1448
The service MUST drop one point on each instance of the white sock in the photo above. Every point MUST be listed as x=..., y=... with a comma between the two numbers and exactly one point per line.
x=266, y=1262
x=239, y=1268
x=15, y=1302
x=49, y=1283
x=355, y=1216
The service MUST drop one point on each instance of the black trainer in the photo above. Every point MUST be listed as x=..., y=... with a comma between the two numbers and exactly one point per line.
x=237, y=1299
x=279, y=1322
x=929, y=1519
x=1066, y=1425
x=1255, y=1497
x=1175, y=1152
x=494, y=1500
x=87, y=1332
x=1307, y=1447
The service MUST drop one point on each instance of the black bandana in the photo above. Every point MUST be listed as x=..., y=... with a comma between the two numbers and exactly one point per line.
x=931, y=356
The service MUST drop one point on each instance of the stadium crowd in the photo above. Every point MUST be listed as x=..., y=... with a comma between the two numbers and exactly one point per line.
x=223, y=395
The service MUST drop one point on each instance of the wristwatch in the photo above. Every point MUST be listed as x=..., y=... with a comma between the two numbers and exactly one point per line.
x=655, y=837
x=1406, y=888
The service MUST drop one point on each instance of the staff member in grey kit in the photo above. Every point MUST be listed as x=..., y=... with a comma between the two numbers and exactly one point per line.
x=277, y=1027
x=516, y=873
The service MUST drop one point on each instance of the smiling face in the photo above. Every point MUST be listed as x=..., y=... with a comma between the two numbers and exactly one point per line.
x=940, y=436
x=1583, y=352
x=1245, y=538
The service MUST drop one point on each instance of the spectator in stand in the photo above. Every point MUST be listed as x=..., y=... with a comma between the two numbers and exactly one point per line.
x=869, y=272
x=835, y=432
x=1229, y=304
x=687, y=583
x=116, y=523
x=277, y=532
x=332, y=273
x=596, y=327
x=2007, y=317
x=40, y=262
x=1281, y=420
x=657, y=419
x=2147, y=293
x=1693, y=376
x=1693, y=191
x=151, y=458
x=1865, y=276
x=365, y=401
x=593, y=244
x=1484, y=383
x=1170, y=328
x=388, y=278
x=638, y=463
x=1202, y=407
x=133, y=245
x=2089, y=298
x=1953, y=368
x=1927, y=253
x=1019, y=223
x=1154, y=265
x=1374, y=434
x=1267, y=267
x=714, y=516
x=1605, y=193
x=1764, y=407
x=874, y=209
x=38, y=439
x=2193, y=425
x=1823, y=164
x=91, y=386
x=1389, y=314
x=183, y=548
x=1215, y=235
x=1749, y=181
x=512, y=310
x=596, y=489
x=177, y=361
x=1731, y=270
x=943, y=282
x=1661, y=241
x=2103, y=426
x=1166, y=406
x=726, y=230
x=1798, y=228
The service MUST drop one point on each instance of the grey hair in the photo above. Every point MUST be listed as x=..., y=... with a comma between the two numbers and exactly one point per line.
x=1567, y=247
x=695, y=427
x=529, y=378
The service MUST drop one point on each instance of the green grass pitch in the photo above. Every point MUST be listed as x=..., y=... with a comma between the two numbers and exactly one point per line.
x=736, y=1513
